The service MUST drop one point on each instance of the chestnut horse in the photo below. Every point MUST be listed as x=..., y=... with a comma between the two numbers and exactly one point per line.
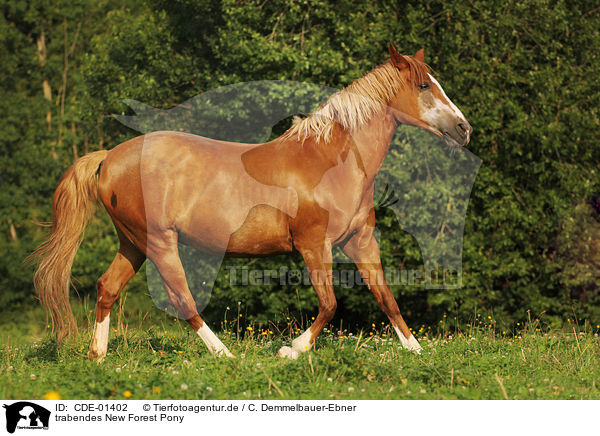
x=309, y=190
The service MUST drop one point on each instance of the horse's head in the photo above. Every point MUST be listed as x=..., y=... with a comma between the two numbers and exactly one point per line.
x=423, y=102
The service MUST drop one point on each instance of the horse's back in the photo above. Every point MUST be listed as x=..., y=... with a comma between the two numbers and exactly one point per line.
x=198, y=186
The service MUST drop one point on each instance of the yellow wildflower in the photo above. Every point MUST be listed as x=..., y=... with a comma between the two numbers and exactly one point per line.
x=51, y=395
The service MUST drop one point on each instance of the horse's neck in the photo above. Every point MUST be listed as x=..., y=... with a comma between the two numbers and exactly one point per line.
x=372, y=141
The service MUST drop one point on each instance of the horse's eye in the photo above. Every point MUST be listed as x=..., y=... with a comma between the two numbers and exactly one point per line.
x=424, y=86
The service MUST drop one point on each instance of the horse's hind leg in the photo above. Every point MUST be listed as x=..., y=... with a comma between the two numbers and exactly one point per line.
x=164, y=253
x=123, y=267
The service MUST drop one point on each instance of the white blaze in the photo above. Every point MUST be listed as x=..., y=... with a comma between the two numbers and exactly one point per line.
x=453, y=107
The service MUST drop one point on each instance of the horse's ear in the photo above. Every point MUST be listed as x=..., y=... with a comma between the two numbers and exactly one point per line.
x=420, y=55
x=397, y=59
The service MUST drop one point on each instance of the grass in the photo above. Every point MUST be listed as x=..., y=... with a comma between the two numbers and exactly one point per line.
x=165, y=360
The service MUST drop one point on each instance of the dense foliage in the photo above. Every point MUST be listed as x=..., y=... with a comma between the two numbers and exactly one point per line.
x=524, y=74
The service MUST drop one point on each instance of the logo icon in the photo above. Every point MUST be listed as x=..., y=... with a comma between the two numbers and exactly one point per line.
x=26, y=415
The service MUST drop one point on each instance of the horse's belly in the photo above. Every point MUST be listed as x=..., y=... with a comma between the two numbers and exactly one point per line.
x=264, y=231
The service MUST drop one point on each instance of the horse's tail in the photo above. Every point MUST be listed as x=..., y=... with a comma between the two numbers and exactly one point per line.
x=72, y=207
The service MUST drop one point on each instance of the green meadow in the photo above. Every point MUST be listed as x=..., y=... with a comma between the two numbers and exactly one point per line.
x=154, y=356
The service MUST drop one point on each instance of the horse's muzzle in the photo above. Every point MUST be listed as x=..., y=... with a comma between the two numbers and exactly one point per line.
x=464, y=131
x=459, y=136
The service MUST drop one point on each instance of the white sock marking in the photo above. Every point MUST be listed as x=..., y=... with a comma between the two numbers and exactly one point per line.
x=288, y=352
x=299, y=345
x=411, y=343
x=302, y=343
x=215, y=346
x=100, y=337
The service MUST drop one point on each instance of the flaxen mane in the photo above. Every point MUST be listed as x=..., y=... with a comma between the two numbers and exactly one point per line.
x=356, y=104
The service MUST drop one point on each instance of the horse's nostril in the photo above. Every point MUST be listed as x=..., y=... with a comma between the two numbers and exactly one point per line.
x=464, y=129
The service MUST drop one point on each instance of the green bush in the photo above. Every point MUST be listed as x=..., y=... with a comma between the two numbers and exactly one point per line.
x=523, y=73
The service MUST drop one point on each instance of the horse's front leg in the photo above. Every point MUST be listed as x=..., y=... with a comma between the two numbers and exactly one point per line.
x=363, y=249
x=318, y=261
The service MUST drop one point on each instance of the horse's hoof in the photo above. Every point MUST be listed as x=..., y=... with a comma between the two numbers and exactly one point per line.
x=288, y=352
x=410, y=344
x=93, y=355
x=224, y=353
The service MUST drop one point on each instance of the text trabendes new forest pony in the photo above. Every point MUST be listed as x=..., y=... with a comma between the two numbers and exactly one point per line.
x=309, y=190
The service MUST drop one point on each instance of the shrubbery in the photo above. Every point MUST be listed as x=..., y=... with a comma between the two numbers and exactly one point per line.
x=524, y=74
